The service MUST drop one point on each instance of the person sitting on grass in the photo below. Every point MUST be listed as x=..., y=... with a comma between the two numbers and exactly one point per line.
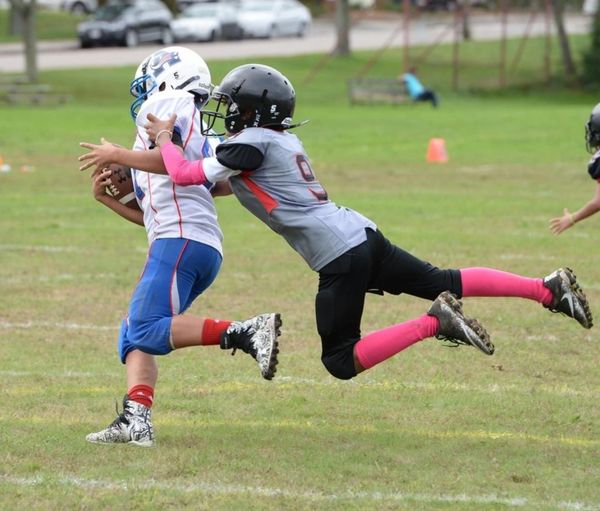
x=416, y=90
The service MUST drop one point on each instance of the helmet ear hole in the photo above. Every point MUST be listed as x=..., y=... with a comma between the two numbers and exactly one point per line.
x=200, y=99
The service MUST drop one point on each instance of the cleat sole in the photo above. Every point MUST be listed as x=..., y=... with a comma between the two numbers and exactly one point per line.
x=273, y=357
x=578, y=292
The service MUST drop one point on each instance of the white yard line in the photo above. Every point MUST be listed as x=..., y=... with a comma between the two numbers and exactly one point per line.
x=40, y=248
x=241, y=384
x=320, y=426
x=60, y=277
x=51, y=324
x=268, y=492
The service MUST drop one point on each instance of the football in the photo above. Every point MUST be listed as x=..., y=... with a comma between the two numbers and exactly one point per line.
x=121, y=186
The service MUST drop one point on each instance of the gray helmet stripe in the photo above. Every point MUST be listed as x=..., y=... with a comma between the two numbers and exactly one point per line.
x=187, y=82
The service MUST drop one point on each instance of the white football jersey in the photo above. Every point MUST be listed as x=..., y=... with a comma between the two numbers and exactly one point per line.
x=172, y=211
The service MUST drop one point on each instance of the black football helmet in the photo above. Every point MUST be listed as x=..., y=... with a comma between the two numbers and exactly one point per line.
x=252, y=95
x=592, y=130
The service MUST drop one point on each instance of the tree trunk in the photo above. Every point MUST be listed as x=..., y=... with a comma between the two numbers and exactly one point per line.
x=25, y=10
x=342, y=22
x=563, y=38
x=465, y=10
x=15, y=23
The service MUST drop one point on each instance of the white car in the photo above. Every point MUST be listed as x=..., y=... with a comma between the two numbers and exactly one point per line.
x=272, y=18
x=79, y=7
x=362, y=4
x=206, y=22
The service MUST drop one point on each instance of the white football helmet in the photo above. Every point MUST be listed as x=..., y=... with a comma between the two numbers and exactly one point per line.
x=174, y=67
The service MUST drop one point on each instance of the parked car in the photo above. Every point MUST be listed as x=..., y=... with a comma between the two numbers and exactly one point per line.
x=128, y=24
x=361, y=4
x=79, y=7
x=73, y=6
x=206, y=22
x=182, y=5
x=271, y=18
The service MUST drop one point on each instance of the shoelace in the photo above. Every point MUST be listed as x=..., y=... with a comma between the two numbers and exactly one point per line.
x=237, y=329
x=120, y=416
x=454, y=343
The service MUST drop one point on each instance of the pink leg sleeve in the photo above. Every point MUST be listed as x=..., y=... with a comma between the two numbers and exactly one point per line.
x=378, y=346
x=490, y=282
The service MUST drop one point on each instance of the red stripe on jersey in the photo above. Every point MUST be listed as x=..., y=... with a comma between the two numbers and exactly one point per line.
x=137, y=133
x=180, y=221
x=189, y=135
x=268, y=202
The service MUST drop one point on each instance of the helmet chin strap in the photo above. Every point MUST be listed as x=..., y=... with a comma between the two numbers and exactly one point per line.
x=298, y=124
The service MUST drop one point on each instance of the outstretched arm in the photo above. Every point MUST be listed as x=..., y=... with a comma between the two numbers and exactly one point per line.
x=567, y=220
x=102, y=155
x=100, y=180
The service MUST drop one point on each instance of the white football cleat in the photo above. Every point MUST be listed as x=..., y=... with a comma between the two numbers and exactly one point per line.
x=132, y=426
x=256, y=336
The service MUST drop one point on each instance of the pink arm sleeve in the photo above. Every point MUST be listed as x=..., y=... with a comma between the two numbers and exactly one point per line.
x=182, y=171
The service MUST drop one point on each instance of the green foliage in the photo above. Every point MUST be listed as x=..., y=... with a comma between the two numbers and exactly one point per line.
x=591, y=58
x=432, y=428
x=50, y=25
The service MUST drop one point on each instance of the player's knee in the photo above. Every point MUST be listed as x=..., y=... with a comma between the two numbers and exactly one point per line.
x=149, y=336
x=340, y=364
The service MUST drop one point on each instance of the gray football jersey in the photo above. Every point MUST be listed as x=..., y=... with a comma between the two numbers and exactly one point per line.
x=285, y=194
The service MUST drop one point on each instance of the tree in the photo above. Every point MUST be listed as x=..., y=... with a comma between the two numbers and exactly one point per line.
x=342, y=22
x=563, y=39
x=591, y=58
x=24, y=11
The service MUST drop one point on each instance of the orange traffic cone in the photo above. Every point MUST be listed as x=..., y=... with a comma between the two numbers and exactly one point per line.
x=436, y=151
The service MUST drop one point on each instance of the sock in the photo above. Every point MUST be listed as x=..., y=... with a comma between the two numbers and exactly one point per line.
x=490, y=282
x=212, y=330
x=142, y=394
x=378, y=346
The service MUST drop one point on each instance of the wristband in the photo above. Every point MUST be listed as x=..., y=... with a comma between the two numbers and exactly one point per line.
x=161, y=132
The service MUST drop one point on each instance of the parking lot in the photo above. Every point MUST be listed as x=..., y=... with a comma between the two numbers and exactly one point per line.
x=365, y=34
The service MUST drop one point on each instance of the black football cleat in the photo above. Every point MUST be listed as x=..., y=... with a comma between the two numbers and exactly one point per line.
x=455, y=327
x=568, y=297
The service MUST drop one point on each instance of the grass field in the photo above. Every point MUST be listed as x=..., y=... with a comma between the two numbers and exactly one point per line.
x=433, y=428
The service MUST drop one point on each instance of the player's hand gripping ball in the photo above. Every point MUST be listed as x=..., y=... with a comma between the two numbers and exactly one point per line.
x=121, y=186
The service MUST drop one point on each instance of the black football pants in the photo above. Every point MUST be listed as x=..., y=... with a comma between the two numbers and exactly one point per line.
x=378, y=266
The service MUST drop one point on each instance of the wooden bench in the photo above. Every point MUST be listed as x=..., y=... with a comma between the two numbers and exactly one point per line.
x=373, y=90
x=12, y=79
x=24, y=88
x=27, y=98
x=30, y=94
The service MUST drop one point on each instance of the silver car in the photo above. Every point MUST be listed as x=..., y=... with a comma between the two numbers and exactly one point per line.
x=273, y=18
x=206, y=22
